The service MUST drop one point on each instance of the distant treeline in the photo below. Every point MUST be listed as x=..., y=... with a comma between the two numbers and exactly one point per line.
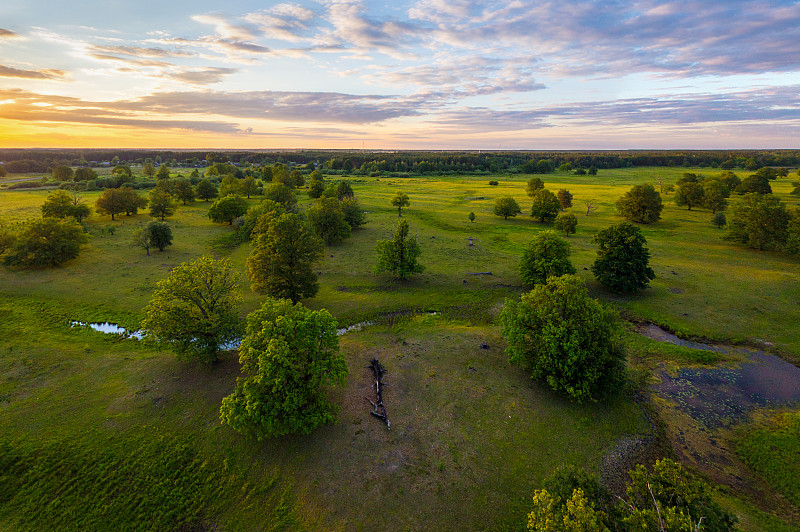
x=402, y=162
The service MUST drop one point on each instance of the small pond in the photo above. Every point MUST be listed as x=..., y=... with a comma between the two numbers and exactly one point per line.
x=721, y=396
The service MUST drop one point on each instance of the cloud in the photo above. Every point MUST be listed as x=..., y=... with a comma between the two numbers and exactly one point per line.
x=203, y=76
x=224, y=28
x=286, y=22
x=579, y=38
x=141, y=51
x=50, y=73
x=8, y=34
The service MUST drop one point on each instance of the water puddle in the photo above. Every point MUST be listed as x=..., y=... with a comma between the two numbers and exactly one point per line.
x=113, y=328
x=722, y=396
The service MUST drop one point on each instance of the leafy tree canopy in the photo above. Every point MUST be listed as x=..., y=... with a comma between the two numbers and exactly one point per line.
x=162, y=204
x=45, y=242
x=506, y=206
x=623, y=261
x=398, y=256
x=400, y=200
x=758, y=221
x=288, y=354
x=566, y=222
x=545, y=205
x=641, y=204
x=195, y=311
x=328, y=220
x=566, y=339
x=227, y=208
x=206, y=190
x=547, y=254
x=281, y=263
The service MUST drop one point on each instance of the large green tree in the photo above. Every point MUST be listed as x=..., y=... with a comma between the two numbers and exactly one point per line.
x=162, y=204
x=758, y=221
x=623, y=260
x=546, y=255
x=328, y=220
x=641, y=204
x=689, y=194
x=545, y=205
x=63, y=173
x=282, y=261
x=714, y=195
x=45, y=242
x=227, y=208
x=506, y=206
x=288, y=355
x=154, y=234
x=564, y=338
x=195, y=311
x=206, y=190
x=184, y=190
x=533, y=184
x=398, y=256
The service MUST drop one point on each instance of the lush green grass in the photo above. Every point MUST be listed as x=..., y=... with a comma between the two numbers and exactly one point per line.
x=471, y=436
x=773, y=450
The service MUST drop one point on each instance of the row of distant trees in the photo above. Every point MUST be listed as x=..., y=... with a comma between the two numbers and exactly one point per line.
x=22, y=161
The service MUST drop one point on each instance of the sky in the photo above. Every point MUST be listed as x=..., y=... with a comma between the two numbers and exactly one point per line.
x=424, y=74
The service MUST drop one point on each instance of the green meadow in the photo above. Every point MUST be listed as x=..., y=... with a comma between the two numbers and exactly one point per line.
x=102, y=433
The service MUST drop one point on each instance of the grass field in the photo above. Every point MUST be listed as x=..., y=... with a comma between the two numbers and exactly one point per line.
x=471, y=436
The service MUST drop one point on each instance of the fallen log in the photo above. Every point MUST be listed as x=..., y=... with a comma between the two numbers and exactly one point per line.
x=379, y=410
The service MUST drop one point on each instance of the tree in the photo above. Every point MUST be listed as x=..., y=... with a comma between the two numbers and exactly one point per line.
x=131, y=201
x=111, y=201
x=353, y=214
x=226, y=209
x=564, y=338
x=280, y=193
x=154, y=234
x=163, y=172
x=754, y=183
x=566, y=222
x=288, y=354
x=184, y=190
x=62, y=173
x=546, y=255
x=281, y=263
x=533, y=185
x=730, y=180
x=689, y=193
x=575, y=514
x=592, y=170
x=148, y=169
x=206, y=190
x=296, y=178
x=719, y=220
x=758, y=221
x=506, y=206
x=400, y=200
x=3, y=171
x=230, y=186
x=471, y=216
x=85, y=174
x=45, y=242
x=622, y=262
x=344, y=190
x=714, y=195
x=195, y=310
x=249, y=186
x=545, y=205
x=641, y=204
x=162, y=204
x=316, y=188
x=564, y=198
x=59, y=204
x=258, y=217
x=669, y=498
x=327, y=219
x=793, y=235
x=399, y=255
x=796, y=190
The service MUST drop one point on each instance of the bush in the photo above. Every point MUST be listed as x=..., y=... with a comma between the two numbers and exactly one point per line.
x=719, y=220
x=564, y=338
x=45, y=242
x=546, y=255
x=494, y=183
